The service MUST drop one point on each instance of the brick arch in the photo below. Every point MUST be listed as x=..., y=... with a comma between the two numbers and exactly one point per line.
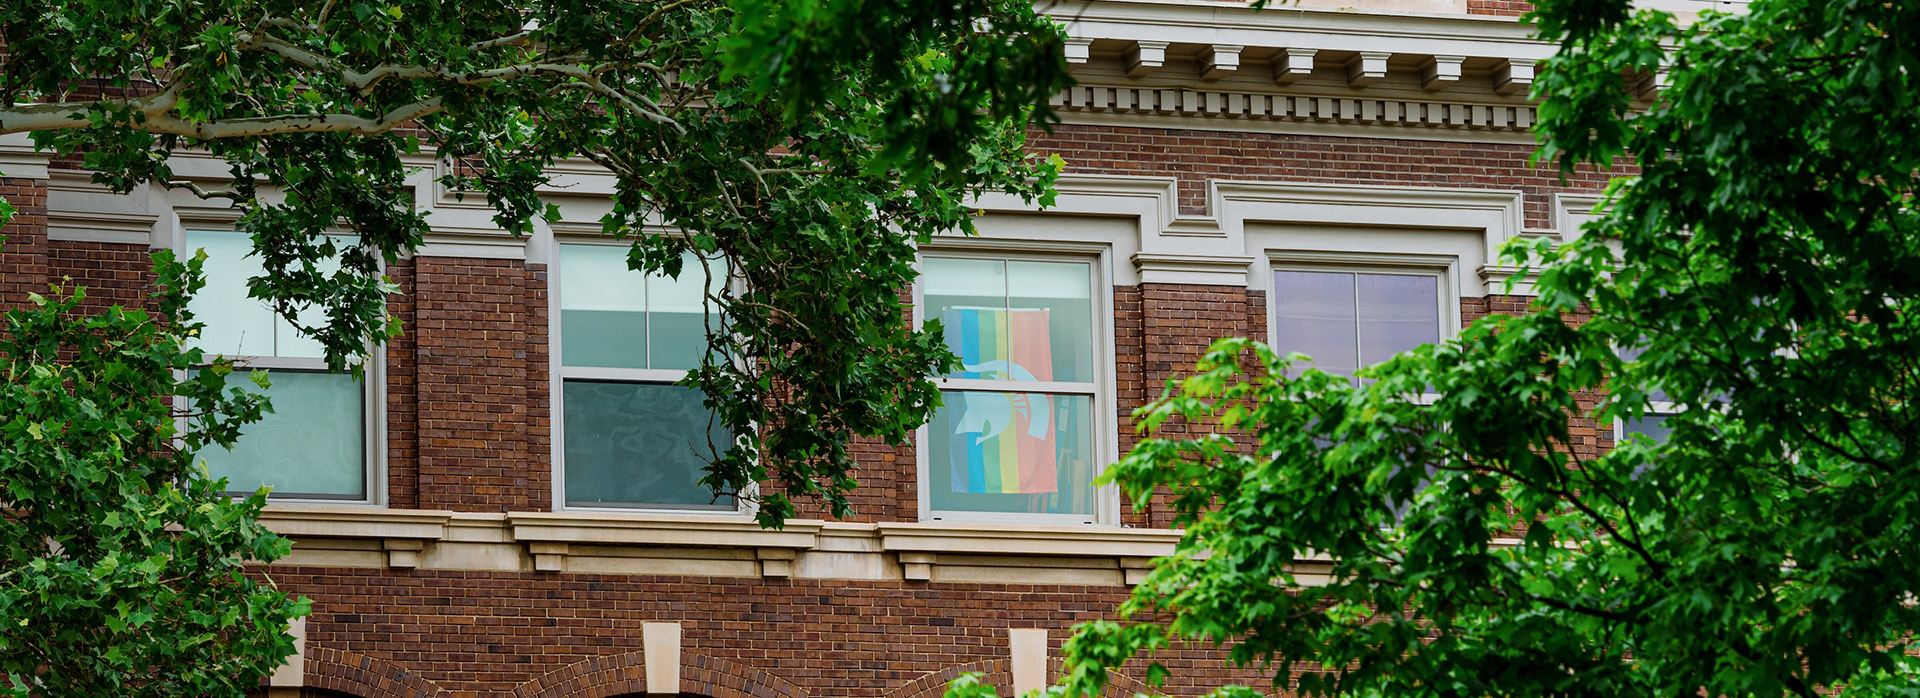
x=622, y=674
x=999, y=674
x=359, y=675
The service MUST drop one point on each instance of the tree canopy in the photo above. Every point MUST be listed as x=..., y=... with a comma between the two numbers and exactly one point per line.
x=1752, y=289
x=122, y=566
x=808, y=144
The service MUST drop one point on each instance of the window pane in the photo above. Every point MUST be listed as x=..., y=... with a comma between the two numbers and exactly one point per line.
x=1012, y=452
x=639, y=445
x=235, y=324
x=1397, y=312
x=959, y=290
x=1058, y=296
x=288, y=341
x=1013, y=320
x=1654, y=427
x=678, y=327
x=603, y=308
x=1314, y=315
x=313, y=445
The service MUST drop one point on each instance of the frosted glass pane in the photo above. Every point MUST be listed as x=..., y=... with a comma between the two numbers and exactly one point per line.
x=949, y=276
x=603, y=304
x=638, y=445
x=1012, y=453
x=678, y=331
x=1397, y=312
x=959, y=289
x=313, y=445
x=1314, y=315
x=1060, y=293
x=596, y=277
x=235, y=324
x=1050, y=279
x=288, y=341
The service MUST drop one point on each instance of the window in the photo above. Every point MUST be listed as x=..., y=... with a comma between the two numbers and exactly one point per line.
x=1350, y=319
x=630, y=437
x=314, y=445
x=1652, y=424
x=1015, y=437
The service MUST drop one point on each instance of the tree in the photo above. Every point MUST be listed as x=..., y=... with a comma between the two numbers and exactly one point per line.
x=123, y=569
x=1761, y=272
x=786, y=138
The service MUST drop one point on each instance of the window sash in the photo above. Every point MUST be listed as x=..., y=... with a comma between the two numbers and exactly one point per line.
x=565, y=374
x=371, y=422
x=1357, y=329
x=1099, y=369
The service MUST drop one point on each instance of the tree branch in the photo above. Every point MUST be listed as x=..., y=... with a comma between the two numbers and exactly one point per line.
x=65, y=115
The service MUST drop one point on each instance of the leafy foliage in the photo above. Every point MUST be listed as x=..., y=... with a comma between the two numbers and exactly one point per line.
x=123, y=567
x=1761, y=272
x=789, y=138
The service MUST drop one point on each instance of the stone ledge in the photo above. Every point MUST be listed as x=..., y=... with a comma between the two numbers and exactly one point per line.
x=721, y=546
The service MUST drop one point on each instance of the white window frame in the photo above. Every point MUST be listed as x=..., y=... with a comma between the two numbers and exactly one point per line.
x=1664, y=409
x=559, y=372
x=1105, y=428
x=373, y=386
x=1444, y=268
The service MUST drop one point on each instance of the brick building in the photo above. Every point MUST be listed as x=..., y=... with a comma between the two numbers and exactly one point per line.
x=499, y=510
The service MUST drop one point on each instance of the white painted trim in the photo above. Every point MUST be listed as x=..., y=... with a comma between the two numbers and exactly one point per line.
x=19, y=160
x=1215, y=248
x=1282, y=25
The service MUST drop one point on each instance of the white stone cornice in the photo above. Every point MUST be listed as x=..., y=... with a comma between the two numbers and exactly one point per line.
x=1439, y=72
x=1145, y=56
x=1218, y=61
x=19, y=159
x=1205, y=23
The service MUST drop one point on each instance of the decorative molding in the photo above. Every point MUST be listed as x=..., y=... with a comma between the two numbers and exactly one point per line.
x=1241, y=110
x=19, y=159
x=1203, y=270
x=721, y=546
x=1027, y=653
x=1077, y=52
x=661, y=643
x=1291, y=64
x=1367, y=67
x=80, y=210
x=293, y=672
x=1218, y=61
x=1144, y=57
x=1439, y=72
x=1513, y=76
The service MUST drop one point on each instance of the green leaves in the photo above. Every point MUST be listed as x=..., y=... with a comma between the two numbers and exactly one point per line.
x=786, y=138
x=123, y=563
x=1759, y=268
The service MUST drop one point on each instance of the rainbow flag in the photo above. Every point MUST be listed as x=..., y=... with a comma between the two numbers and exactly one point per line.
x=1003, y=443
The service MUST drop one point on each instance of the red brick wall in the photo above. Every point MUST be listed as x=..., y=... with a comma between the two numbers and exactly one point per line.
x=1504, y=8
x=486, y=633
x=23, y=254
x=481, y=385
x=113, y=274
x=1197, y=156
x=403, y=395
